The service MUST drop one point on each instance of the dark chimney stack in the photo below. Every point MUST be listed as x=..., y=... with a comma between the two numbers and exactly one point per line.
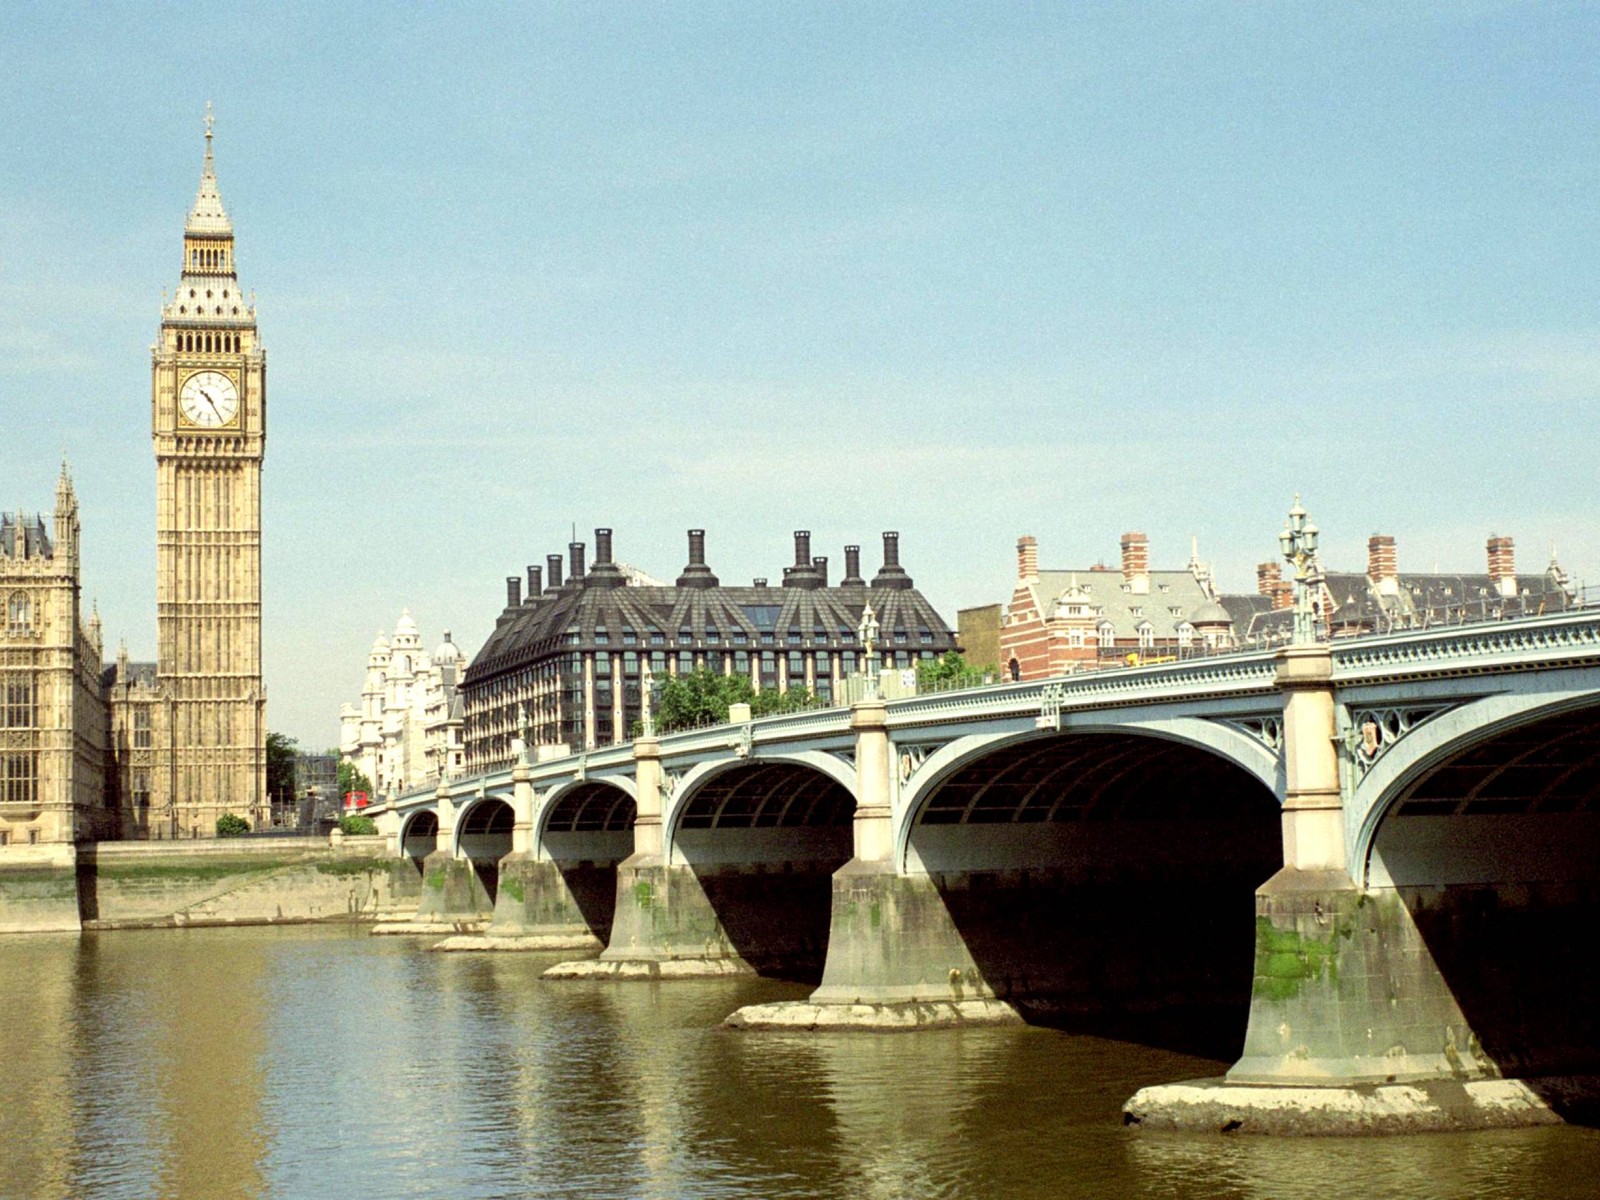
x=553, y=563
x=535, y=583
x=606, y=573
x=513, y=591
x=852, y=568
x=575, y=559
x=804, y=573
x=892, y=575
x=821, y=567
x=697, y=574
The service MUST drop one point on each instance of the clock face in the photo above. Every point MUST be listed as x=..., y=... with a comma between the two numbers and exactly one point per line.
x=209, y=400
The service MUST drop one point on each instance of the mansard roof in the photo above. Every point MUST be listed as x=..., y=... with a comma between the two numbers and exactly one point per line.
x=607, y=601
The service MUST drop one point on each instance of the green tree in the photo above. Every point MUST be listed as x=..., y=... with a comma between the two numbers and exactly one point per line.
x=950, y=670
x=357, y=826
x=700, y=698
x=351, y=779
x=229, y=825
x=770, y=701
x=281, y=755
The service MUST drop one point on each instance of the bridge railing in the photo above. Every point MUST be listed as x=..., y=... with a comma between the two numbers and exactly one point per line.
x=1560, y=638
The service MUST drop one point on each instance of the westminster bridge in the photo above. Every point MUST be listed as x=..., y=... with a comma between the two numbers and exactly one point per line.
x=1411, y=820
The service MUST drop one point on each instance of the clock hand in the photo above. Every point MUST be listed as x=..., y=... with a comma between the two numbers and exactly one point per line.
x=211, y=402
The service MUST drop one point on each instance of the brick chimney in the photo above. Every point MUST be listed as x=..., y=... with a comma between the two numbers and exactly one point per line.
x=535, y=583
x=1382, y=565
x=513, y=590
x=1027, y=559
x=1270, y=582
x=1502, y=565
x=552, y=564
x=1136, y=563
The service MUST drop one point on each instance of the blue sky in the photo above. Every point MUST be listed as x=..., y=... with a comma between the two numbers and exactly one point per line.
x=1055, y=269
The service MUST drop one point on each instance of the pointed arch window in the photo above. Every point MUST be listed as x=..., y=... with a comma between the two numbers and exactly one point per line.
x=19, y=612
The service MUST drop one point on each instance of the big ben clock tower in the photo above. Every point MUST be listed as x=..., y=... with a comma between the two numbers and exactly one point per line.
x=208, y=410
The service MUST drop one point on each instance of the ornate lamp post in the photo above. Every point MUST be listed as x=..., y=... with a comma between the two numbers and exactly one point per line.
x=519, y=743
x=868, y=635
x=1299, y=542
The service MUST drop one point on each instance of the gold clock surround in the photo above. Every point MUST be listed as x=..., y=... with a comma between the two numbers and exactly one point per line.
x=229, y=426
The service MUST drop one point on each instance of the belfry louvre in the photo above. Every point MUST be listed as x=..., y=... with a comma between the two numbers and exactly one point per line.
x=567, y=659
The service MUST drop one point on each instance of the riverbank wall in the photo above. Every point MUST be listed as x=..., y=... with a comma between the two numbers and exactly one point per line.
x=227, y=881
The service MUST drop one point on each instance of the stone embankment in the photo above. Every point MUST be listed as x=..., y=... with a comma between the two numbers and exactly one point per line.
x=226, y=881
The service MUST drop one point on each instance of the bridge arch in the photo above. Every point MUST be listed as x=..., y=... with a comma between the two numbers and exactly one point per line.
x=483, y=837
x=583, y=828
x=695, y=780
x=1453, y=731
x=756, y=842
x=1098, y=874
x=1220, y=741
x=1485, y=857
x=419, y=835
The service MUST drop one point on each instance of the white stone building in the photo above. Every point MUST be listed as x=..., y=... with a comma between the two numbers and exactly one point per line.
x=407, y=731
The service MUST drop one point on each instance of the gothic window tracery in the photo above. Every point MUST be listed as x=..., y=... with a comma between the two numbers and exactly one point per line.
x=19, y=614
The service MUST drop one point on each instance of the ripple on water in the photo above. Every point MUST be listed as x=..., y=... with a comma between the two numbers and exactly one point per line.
x=307, y=1063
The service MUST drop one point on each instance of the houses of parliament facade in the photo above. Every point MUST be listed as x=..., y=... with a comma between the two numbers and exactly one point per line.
x=90, y=749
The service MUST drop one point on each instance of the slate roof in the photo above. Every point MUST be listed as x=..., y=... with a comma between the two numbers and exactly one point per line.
x=33, y=531
x=1422, y=600
x=137, y=673
x=609, y=600
x=1173, y=598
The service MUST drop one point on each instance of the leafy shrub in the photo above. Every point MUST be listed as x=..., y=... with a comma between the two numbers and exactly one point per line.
x=229, y=825
x=357, y=826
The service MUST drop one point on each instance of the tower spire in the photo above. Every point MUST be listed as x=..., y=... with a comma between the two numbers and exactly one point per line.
x=208, y=215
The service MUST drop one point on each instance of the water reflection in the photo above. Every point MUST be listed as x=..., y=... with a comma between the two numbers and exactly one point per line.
x=311, y=1063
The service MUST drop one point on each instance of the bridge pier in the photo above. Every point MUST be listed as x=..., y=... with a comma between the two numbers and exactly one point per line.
x=748, y=896
x=454, y=899
x=662, y=922
x=1402, y=1005
x=895, y=959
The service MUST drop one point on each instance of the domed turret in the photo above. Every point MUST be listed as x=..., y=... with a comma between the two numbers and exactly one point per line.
x=405, y=631
x=447, y=654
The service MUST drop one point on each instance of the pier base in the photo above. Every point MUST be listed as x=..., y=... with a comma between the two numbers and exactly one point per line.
x=676, y=921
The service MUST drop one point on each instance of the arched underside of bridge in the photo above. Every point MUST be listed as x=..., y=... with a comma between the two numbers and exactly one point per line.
x=419, y=836
x=753, y=850
x=1086, y=879
x=1494, y=853
x=483, y=838
x=568, y=889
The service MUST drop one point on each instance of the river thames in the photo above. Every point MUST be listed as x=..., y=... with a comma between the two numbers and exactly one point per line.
x=308, y=1062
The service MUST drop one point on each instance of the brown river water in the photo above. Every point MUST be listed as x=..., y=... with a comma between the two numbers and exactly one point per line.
x=313, y=1062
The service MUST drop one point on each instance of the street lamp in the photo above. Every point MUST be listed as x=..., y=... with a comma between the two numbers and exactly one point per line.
x=868, y=635
x=1299, y=542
